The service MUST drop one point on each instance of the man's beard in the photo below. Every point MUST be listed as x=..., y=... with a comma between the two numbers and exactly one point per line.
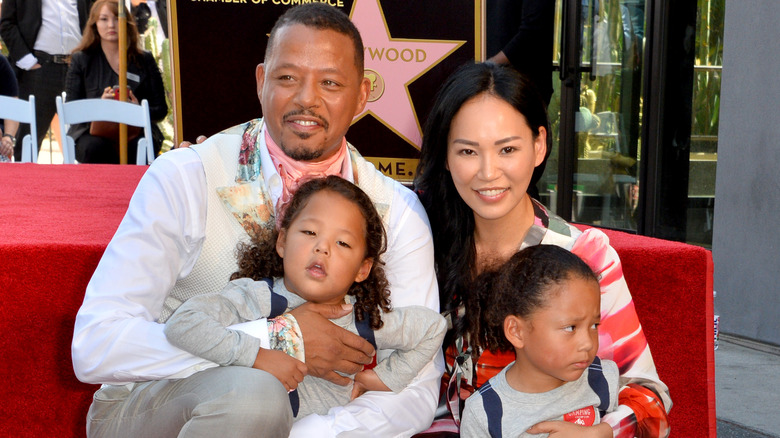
x=302, y=153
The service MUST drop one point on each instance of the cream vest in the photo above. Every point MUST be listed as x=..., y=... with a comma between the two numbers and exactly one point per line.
x=217, y=261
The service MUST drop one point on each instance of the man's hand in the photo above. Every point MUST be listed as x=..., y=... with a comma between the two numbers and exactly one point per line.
x=564, y=429
x=288, y=370
x=186, y=144
x=330, y=348
x=367, y=380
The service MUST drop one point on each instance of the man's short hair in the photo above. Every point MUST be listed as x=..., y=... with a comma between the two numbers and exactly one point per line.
x=323, y=17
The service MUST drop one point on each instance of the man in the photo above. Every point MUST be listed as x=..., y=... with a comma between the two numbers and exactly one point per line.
x=178, y=238
x=40, y=34
x=520, y=33
x=143, y=10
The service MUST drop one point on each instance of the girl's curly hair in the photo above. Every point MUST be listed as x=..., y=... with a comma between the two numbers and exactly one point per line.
x=259, y=259
x=520, y=287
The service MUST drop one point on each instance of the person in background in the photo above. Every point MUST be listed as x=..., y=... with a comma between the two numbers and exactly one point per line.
x=143, y=10
x=8, y=128
x=520, y=33
x=177, y=240
x=486, y=133
x=94, y=73
x=40, y=35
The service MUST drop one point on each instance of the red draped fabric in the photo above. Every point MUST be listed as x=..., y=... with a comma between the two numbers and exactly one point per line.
x=55, y=222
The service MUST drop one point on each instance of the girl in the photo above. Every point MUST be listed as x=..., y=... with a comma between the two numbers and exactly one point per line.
x=544, y=306
x=486, y=134
x=326, y=251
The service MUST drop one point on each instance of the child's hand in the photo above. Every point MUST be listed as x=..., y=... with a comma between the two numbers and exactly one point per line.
x=367, y=380
x=562, y=429
x=286, y=369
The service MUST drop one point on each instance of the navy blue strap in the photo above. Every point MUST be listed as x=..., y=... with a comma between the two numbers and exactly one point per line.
x=493, y=409
x=598, y=383
x=364, y=329
x=278, y=302
x=278, y=306
x=295, y=402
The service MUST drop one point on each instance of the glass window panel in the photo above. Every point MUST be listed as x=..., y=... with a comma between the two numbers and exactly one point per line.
x=608, y=120
x=705, y=117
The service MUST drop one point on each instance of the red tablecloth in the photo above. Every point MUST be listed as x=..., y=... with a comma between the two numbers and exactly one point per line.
x=55, y=222
x=73, y=204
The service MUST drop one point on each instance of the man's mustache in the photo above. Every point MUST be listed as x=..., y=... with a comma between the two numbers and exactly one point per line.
x=305, y=112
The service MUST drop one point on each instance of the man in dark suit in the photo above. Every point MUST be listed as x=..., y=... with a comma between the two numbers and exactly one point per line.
x=143, y=10
x=520, y=33
x=40, y=34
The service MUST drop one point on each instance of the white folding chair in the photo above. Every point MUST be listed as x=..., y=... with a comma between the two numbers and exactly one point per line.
x=22, y=111
x=89, y=110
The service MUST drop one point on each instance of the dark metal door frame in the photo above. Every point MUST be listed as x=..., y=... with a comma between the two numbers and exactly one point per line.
x=571, y=40
x=666, y=122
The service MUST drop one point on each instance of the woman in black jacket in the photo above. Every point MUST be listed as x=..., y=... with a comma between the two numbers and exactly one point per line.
x=93, y=73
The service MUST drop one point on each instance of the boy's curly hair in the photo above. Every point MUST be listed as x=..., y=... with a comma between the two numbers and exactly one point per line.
x=259, y=259
x=520, y=287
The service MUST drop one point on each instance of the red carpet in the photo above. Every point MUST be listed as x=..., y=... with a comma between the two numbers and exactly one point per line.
x=55, y=221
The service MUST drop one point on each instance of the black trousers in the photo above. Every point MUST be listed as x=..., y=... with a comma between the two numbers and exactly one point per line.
x=46, y=83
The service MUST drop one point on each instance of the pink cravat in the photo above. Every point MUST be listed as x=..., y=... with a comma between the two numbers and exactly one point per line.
x=294, y=173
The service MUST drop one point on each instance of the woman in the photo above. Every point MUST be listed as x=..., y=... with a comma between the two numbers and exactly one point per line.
x=487, y=132
x=93, y=73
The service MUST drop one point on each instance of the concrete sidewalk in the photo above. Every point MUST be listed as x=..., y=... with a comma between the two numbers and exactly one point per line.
x=747, y=388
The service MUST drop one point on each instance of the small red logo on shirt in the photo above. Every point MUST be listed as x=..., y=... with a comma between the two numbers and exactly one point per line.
x=581, y=417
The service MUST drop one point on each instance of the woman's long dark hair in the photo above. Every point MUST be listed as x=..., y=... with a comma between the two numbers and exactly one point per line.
x=452, y=221
x=259, y=259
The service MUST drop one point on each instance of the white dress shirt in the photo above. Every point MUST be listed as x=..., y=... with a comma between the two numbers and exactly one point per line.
x=159, y=28
x=60, y=32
